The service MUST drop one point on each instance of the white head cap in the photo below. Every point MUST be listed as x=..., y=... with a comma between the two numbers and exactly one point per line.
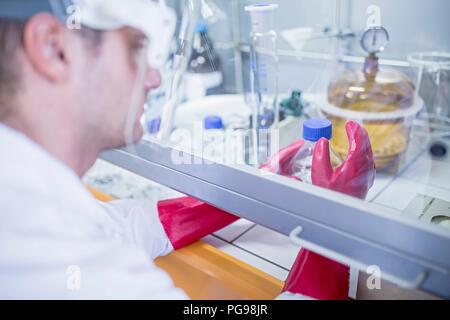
x=261, y=15
x=154, y=19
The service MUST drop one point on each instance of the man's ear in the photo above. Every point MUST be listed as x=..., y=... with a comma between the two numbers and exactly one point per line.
x=45, y=43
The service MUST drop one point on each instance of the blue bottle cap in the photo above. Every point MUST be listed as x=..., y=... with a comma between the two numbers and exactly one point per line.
x=315, y=129
x=202, y=27
x=154, y=125
x=213, y=122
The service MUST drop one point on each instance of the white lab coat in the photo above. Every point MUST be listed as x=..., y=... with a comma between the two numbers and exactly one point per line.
x=58, y=242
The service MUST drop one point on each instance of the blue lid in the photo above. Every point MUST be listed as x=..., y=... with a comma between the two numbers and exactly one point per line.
x=213, y=122
x=315, y=129
x=202, y=27
x=154, y=125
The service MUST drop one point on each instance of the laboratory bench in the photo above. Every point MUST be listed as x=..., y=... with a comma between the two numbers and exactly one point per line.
x=249, y=261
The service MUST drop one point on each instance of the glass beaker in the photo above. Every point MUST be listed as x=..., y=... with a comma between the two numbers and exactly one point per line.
x=433, y=81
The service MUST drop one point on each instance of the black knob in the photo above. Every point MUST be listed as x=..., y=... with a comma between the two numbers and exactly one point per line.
x=438, y=150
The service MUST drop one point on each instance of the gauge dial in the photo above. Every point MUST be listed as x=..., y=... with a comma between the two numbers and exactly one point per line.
x=375, y=40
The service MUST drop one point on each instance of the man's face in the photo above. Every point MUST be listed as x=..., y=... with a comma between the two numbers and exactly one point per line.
x=114, y=87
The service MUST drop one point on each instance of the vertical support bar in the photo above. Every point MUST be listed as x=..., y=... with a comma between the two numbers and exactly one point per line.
x=342, y=22
x=236, y=32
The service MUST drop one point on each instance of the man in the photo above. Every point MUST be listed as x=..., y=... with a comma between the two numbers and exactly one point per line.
x=64, y=98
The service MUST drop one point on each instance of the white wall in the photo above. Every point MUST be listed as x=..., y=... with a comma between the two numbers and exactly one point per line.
x=414, y=25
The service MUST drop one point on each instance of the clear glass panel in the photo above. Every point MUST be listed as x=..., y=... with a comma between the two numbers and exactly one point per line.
x=320, y=73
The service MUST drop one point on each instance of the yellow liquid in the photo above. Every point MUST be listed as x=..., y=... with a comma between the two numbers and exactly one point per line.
x=389, y=139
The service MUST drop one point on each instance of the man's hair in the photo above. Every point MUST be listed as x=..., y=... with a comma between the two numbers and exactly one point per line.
x=11, y=34
x=11, y=40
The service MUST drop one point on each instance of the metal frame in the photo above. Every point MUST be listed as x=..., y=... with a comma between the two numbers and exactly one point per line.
x=407, y=252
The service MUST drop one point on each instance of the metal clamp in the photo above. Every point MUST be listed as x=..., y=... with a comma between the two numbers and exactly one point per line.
x=406, y=284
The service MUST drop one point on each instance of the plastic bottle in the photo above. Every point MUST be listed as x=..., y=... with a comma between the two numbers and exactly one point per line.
x=263, y=73
x=264, y=137
x=204, y=75
x=154, y=108
x=153, y=126
x=214, y=138
x=313, y=131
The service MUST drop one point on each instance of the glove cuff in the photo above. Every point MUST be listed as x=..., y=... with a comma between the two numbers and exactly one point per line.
x=186, y=220
x=318, y=277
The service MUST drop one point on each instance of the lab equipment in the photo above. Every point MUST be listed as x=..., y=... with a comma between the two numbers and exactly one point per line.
x=433, y=81
x=153, y=126
x=232, y=109
x=433, y=86
x=262, y=129
x=157, y=98
x=383, y=100
x=354, y=176
x=263, y=78
x=214, y=139
x=191, y=11
x=204, y=75
x=313, y=131
x=292, y=106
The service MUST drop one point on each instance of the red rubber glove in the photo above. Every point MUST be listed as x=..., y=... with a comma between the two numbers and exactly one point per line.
x=312, y=275
x=356, y=175
x=281, y=163
x=186, y=220
x=318, y=277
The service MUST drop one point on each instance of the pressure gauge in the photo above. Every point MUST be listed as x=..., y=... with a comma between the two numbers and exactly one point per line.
x=375, y=40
